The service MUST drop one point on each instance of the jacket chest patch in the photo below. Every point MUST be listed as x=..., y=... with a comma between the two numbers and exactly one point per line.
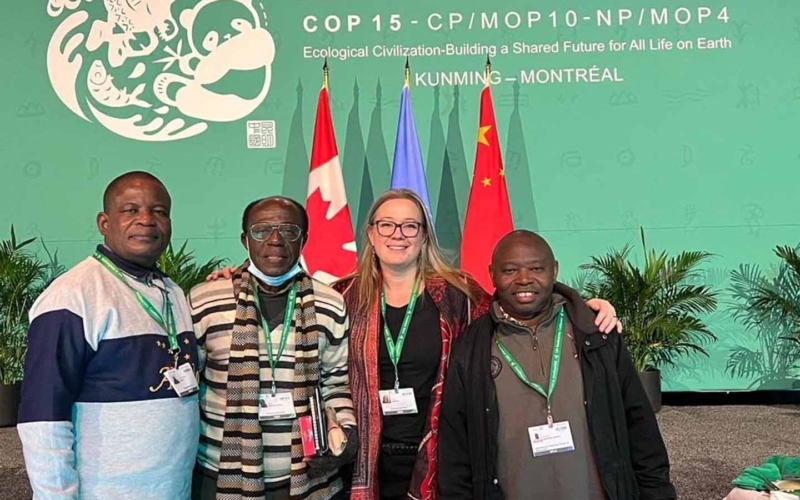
x=496, y=366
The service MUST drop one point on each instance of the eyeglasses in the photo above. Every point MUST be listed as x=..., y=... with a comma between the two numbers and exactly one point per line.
x=262, y=231
x=387, y=228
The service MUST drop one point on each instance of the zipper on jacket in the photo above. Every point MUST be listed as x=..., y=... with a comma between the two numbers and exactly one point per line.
x=538, y=352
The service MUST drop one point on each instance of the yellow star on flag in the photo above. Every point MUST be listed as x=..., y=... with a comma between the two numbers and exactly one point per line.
x=502, y=172
x=486, y=182
x=482, y=131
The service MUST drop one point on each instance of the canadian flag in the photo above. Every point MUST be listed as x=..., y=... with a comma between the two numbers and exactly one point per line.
x=330, y=252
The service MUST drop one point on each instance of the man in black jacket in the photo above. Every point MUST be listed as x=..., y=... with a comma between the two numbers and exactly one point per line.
x=538, y=404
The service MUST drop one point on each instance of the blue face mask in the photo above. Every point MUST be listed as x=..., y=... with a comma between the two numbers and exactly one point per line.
x=274, y=280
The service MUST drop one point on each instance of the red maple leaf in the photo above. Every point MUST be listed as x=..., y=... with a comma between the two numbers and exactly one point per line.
x=327, y=237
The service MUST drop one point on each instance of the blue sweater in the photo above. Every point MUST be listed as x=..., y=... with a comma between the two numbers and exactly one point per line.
x=98, y=418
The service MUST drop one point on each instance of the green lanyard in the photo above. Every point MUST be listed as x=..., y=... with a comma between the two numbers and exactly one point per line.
x=149, y=308
x=396, y=349
x=554, y=364
x=288, y=314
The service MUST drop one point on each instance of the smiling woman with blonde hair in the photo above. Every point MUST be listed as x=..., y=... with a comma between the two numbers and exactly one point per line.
x=424, y=254
x=406, y=306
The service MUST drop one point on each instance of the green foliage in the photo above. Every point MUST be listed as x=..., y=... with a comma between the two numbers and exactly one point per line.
x=770, y=306
x=182, y=268
x=23, y=277
x=660, y=304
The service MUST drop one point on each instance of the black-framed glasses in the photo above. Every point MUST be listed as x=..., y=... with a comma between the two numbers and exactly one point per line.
x=261, y=231
x=387, y=228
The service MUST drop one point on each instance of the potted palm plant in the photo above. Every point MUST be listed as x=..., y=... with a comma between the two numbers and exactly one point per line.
x=770, y=305
x=659, y=304
x=23, y=276
x=181, y=266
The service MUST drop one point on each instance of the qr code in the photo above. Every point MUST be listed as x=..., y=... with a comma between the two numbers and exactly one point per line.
x=260, y=134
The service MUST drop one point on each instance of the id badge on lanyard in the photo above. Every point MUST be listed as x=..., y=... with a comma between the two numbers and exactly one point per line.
x=554, y=437
x=398, y=401
x=277, y=405
x=182, y=380
x=181, y=377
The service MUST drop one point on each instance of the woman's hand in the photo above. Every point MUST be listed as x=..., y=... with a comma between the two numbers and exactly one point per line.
x=606, y=319
x=225, y=273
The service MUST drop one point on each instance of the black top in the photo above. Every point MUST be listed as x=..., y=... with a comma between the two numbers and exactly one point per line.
x=273, y=307
x=419, y=363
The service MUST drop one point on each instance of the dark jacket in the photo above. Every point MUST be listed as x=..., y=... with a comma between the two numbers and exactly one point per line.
x=630, y=455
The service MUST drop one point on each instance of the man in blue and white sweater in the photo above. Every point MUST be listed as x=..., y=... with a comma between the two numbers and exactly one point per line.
x=109, y=406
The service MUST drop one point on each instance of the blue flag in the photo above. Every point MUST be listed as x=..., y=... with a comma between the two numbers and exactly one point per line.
x=407, y=169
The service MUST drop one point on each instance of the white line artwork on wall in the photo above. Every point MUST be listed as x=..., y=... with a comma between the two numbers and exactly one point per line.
x=150, y=71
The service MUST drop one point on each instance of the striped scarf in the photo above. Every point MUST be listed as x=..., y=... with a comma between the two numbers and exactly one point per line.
x=241, y=468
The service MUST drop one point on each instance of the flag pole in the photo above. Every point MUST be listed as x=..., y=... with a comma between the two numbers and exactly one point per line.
x=488, y=70
x=325, y=74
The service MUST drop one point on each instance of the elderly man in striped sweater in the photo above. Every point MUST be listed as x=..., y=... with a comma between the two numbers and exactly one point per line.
x=270, y=335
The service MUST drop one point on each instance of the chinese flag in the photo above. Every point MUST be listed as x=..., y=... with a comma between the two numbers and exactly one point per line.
x=331, y=249
x=488, y=211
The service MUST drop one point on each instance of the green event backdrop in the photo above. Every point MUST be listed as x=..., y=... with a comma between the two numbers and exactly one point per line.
x=698, y=145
